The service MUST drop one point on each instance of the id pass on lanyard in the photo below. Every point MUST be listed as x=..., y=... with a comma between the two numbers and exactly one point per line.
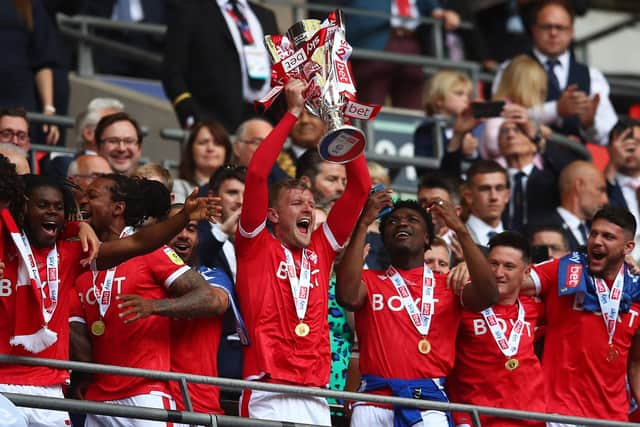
x=49, y=300
x=421, y=318
x=300, y=287
x=610, y=307
x=508, y=346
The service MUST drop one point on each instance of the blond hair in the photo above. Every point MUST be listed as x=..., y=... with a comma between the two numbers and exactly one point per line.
x=378, y=173
x=155, y=171
x=442, y=83
x=524, y=82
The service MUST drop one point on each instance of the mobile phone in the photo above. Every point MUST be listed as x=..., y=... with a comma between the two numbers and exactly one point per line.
x=383, y=211
x=487, y=109
x=539, y=253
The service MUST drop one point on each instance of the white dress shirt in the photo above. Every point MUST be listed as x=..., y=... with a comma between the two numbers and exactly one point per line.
x=227, y=247
x=605, y=117
x=629, y=185
x=480, y=230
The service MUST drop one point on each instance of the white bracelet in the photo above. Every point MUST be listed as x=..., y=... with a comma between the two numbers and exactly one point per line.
x=49, y=109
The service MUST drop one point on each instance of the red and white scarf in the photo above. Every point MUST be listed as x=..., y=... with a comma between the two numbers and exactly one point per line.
x=35, y=304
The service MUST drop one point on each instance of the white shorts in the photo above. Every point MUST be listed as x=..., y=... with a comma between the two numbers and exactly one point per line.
x=284, y=407
x=152, y=400
x=367, y=415
x=34, y=417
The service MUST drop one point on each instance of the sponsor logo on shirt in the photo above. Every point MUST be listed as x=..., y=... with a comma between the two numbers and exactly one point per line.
x=173, y=256
x=574, y=273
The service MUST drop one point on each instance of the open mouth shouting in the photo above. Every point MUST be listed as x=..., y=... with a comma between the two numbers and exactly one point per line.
x=303, y=225
x=182, y=248
x=49, y=229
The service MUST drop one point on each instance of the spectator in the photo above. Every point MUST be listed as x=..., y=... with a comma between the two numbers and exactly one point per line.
x=82, y=171
x=207, y=149
x=377, y=79
x=150, y=289
x=249, y=135
x=28, y=41
x=198, y=42
x=327, y=180
x=119, y=140
x=448, y=95
x=577, y=95
x=583, y=191
x=14, y=127
x=438, y=257
x=377, y=258
x=155, y=172
x=487, y=195
x=495, y=360
x=553, y=237
x=429, y=351
x=624, y=169
x=379, y=174
x=17, y=156
x=289, y=346
x=574, y=316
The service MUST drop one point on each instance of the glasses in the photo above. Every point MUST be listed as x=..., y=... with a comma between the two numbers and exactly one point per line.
x=551, y=27
x=128, y=142
x=8, y=134
x=253, y=141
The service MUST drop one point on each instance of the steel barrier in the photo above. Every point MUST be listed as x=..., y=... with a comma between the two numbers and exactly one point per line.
x=232, y=384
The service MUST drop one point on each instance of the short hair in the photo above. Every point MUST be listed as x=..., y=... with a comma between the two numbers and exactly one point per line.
x=440, y=84
x=226, y=173
x=150, y=170
x=239, y=133
x=187, y=166
x=110, y=119
x=309, y=164
x=413, y=205
x=512, y=239
x=523, y=68
x=379, y=172
x=91, y=116
x=289, y=184
x=14, y=112
x=482, y=167
x=553, y=228
x=565, y=4
x=439, y=180
x=623, y=123
x=618, y=216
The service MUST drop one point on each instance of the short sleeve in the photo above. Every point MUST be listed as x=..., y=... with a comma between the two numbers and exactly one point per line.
x=76, y=312
x=545, y=276
x=166, y=265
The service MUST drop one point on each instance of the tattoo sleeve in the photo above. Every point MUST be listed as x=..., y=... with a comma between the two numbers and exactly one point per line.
x=192, y=297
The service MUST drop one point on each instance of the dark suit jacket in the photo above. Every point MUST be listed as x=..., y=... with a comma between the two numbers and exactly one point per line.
x=210, y=251
x=554, y=218
x=201, y=58
x=616, y=198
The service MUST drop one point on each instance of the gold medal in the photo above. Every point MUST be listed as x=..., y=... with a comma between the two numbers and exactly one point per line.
x=98, y=327
x=302, y=329
x=612, y=354
x=424, y=346
x=512, y=364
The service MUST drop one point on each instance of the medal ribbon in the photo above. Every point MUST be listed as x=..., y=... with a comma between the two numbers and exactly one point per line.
x=508, y=346
x=610, y=301
x=48, y=301
x=299, y=286
x=421, y=319
x=104, y=298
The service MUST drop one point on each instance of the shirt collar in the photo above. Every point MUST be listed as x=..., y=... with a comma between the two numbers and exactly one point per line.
x=571, y=220
x=562, y=59
x=526, y=170
x=481, y=228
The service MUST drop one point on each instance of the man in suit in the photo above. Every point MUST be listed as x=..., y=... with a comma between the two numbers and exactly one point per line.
x=624, y=169
x=215, y=63
x=534, y=193
x=577, y=95
x=583, y=192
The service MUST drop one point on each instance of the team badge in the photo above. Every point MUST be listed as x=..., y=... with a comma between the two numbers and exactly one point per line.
x=173, y=256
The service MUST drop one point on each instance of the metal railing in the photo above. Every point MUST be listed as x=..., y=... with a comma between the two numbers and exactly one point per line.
x=232, y=384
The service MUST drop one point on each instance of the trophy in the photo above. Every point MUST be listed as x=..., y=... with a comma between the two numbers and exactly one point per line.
x=318, y=53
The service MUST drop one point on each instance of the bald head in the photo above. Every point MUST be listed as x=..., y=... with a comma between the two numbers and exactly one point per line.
x=583, y=189
x=17, y=156
x=249, y=134
x=86, y=167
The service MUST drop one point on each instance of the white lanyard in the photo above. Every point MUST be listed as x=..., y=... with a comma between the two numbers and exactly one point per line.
x=48, y=302
x=421, y=319
x=508, y=346
x=104, y=297
x=610, y=301
x=299, y=286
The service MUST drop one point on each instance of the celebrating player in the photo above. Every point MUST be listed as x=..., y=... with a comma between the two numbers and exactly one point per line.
x=283, y=278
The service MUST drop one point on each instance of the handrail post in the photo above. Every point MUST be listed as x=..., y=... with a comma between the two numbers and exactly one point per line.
x=186, y=397
x=298, y=12
x=475, y=417
x=85, y=54
x=436, y=36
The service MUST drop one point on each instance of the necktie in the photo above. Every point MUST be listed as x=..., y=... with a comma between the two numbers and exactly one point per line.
x=123, y=11
x=582, y=228
x=554, y=84
x=490, y=234
x=517, y=220
x=245, y=34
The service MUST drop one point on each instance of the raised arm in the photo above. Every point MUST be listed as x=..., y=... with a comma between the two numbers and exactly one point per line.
x=193, y=297
x=351, y=293
x=256, y=187
x=482, y=291
x=151, y=237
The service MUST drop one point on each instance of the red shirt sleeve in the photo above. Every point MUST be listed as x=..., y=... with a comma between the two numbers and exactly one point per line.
x=165, y=265
x=345, y=212
x=256, y=190
x=70, y=230
x=545, y=276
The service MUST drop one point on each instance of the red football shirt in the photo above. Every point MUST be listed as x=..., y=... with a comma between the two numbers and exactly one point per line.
x=579, y=380
x=480, y=376
x=388, y=340
x=69, y=254
x=144, y=343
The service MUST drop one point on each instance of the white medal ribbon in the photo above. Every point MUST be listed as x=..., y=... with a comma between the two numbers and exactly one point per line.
x=421, y=319
x=52, y=273
x=508, y=346
x=299, y=286
x=104, y=297
x=610, y=301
